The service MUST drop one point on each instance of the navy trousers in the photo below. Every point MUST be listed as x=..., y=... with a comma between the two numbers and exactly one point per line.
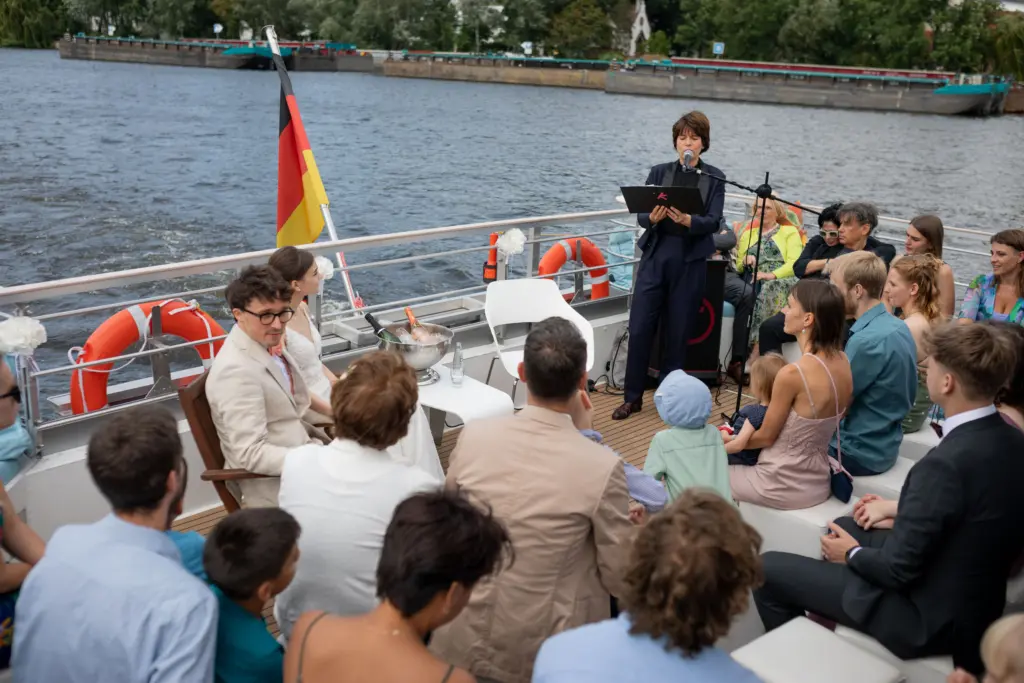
x=670, y=289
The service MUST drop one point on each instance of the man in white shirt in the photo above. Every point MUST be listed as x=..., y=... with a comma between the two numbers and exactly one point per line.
x=258, y=399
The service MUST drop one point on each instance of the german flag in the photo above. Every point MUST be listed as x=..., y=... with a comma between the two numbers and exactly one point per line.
x=300, y=192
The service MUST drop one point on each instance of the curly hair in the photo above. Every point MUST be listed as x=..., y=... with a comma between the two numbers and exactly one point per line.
x=922, y=270
x=690, y=571
x=374, y=400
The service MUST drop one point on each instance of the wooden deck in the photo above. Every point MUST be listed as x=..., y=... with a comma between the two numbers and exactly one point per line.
x=629, y=438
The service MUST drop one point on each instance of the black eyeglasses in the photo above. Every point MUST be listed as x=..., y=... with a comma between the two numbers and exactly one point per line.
x=14, y=393
x=268, y=317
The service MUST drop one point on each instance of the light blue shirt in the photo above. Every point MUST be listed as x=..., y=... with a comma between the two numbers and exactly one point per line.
x=883, y=360
x=111, y=602
x=607, y=652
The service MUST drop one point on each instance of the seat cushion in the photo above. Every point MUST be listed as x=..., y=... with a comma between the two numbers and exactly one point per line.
x=888, y=484
x=794, y=531
x=924, y=670
x=917, y=444
x=804, y=652
x=728, y=310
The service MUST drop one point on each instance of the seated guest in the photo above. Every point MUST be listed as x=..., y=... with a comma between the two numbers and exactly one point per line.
x=15, y=441
x=110, y=601
x=924, y=236
x=258, y=400
x=853, y=224
x=19, y=540
x=884, y=363
x=250, y=558
x=565, y=501
x=932, y=584
x=690, y=573
x=343, y=494
x=913, y=289
x=999, y=296
x=690, y=452
x=749, y=418
x=779, y=246
x=302, y=339
x=437, y=548
x=809, y=398
x=1010, y=400
x=1002, y=651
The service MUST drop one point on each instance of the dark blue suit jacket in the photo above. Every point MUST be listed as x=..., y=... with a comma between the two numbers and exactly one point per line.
x=698, y=244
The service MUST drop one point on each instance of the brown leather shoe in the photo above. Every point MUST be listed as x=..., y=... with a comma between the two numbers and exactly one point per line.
x=735, y=372
x=627, y=409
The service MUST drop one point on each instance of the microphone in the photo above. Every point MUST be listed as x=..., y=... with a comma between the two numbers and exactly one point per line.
x=687, y=160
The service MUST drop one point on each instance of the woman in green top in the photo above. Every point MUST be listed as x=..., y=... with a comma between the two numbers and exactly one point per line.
x=913, y=287
x=781, y=244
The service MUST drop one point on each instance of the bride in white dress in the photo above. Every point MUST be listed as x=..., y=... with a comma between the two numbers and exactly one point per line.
x=303, y=341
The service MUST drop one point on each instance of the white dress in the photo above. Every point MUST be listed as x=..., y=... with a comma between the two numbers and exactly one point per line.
x=415, y=448
x=343, y=495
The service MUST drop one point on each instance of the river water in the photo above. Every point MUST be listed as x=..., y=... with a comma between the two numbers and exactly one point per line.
x=109, y=166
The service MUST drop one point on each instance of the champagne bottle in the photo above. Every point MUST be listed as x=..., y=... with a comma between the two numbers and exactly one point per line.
x=380, y=330
x=418, y=332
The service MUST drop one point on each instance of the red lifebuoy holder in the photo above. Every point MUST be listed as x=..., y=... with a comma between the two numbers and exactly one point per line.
x=565, y=250
x=124, y=328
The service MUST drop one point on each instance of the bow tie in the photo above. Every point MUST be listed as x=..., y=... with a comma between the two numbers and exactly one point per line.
x=277, y=351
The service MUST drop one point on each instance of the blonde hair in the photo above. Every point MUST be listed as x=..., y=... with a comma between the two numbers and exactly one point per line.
x=1002, y=648
x=922, y=270
x=781, y=215
x=763, y=372
x=861, y=268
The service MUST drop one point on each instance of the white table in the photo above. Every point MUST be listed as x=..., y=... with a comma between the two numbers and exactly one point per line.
x=472, y=401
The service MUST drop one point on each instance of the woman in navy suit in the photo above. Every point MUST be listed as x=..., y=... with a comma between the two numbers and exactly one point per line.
x=670, y=277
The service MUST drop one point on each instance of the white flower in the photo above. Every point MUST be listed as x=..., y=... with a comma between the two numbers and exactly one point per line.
x=325, y=267
x=21, y=335
x=511, y=242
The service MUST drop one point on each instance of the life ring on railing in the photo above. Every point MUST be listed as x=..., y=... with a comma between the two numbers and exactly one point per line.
x=126, y=327
x=565, y=250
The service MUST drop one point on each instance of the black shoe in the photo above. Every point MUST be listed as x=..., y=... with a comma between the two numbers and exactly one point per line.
x=627, y=409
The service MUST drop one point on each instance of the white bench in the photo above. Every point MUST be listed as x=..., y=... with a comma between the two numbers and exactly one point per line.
x=925, y=670
x=794, y=531
x=917, y=444
x=801, y=651
x=888, y=484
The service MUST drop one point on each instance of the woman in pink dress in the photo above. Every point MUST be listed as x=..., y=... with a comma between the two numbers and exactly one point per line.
x=809, y=398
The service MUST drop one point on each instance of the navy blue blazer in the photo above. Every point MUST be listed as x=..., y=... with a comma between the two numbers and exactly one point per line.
x=698, y=244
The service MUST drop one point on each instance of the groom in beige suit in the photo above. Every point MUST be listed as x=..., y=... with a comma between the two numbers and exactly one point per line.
x=258, y=400
x=565, y=503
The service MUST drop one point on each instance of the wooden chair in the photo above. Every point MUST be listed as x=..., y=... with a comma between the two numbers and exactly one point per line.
x=197, y=412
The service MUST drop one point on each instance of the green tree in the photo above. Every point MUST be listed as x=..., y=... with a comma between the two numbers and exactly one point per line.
x=32, y=23
x=697, y=28
x=581, y=29
x=524, y=21
x=751, y=29
x=809, y=33
x=1008, y=46
x=658, y=44
x=181, y=18
x=963, y=39
x=326, y=19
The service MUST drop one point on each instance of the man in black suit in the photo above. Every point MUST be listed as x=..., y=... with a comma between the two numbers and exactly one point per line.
x=925, y=577
x=670, y=278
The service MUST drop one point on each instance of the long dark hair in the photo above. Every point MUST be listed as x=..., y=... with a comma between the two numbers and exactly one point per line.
x=931, y=229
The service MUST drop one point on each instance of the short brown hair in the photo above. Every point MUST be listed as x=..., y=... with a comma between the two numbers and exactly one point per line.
x=691, y=570
x=374, y=400
x=861, y=268
x=763, y=372
x=1012, y=393
x=821, y=299
x=979, y=356
x=698, y=123
x=257, y=282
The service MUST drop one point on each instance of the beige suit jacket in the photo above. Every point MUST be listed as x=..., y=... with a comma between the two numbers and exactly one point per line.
x=564, y=500
x=256, y=416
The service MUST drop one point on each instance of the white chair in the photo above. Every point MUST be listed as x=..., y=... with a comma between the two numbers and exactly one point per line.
x=511, y=302
x=802, y=651
x=917, y=444
x=794, y=531
x=924, y=670
x=888, y=484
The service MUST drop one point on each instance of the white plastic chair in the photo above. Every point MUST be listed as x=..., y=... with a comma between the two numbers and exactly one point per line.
x=510, y=302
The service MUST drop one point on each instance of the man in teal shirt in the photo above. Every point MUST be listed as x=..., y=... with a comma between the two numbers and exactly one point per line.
x=883, y=360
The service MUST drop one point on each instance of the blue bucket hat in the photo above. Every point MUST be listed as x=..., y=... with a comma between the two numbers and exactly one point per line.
x=683, y=401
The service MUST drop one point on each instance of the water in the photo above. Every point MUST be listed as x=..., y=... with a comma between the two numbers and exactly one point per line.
x=110, y=166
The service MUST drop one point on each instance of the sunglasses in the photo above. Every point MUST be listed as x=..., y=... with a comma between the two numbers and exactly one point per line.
x=14, y=393
x=830, y=233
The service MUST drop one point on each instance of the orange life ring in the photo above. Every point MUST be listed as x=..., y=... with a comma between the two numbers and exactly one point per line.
x=565, y=250
x=126, y=327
